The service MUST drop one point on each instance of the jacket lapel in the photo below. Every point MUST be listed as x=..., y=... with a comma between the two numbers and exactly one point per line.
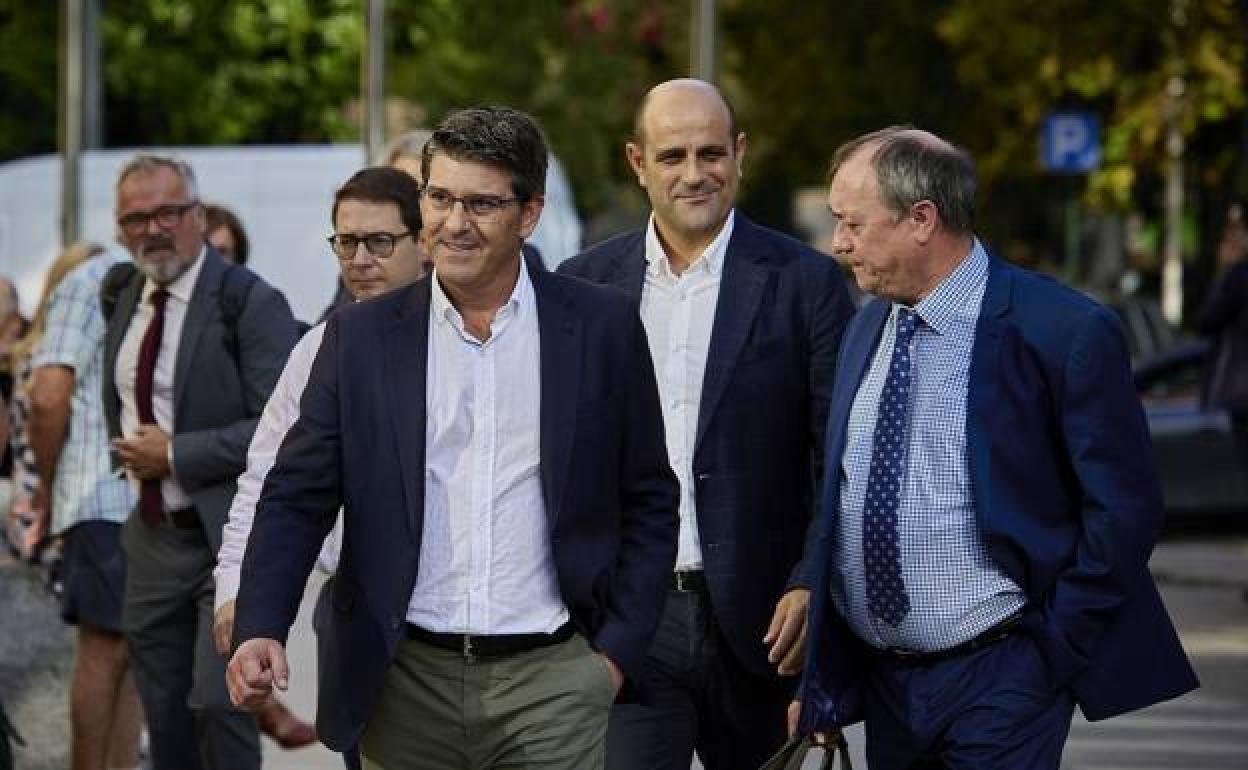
x=981, y=397
x=741, y=287
x=204, y=302
x=628, y=272
x=560, y=332
x=406, y=350
x=857, y=349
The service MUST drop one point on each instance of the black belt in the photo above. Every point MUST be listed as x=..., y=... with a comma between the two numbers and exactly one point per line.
x=914, y=657
x=185, y=518
x=689, y=581
x=492, y=645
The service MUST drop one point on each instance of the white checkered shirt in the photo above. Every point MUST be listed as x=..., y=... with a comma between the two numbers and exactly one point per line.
x=956, y=591
x=86, y=488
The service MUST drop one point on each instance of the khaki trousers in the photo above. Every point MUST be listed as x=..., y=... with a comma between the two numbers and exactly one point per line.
x=545, y=709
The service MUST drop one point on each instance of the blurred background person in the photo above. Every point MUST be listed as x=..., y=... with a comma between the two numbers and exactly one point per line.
x=225, y=233
x=402, y=153
x=1224, y=317
x=12, y=326
x=82, y=501
x=27, y=527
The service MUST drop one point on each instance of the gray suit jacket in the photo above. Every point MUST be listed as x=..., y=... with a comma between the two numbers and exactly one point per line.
x=217, y=401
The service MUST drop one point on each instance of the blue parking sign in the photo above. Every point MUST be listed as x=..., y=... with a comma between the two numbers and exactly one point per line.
x=1070, y=142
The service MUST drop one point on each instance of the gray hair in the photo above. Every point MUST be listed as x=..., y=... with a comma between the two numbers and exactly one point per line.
x=146, y=163
x=912, y=166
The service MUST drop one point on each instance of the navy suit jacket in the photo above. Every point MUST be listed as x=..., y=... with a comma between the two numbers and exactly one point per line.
x=758, y=449
x=359, y=442
x=1066, y=498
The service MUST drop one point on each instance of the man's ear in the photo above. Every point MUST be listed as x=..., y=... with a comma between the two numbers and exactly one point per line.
x=530, y=212
x=740, y=148
x=636, y=159
x=925, y=218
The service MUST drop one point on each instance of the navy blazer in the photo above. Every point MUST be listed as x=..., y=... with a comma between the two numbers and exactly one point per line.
x=359, y=442
x=758, y=450
x=1066, y=498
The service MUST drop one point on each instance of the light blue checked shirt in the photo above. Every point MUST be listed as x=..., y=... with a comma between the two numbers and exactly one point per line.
x=956, y=591
x=86, y=487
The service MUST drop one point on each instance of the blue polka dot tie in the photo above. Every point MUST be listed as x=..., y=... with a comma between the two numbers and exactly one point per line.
x=881, y=554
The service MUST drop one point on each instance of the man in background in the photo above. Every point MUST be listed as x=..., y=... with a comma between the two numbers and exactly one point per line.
x=743, y=324
x=193, y=349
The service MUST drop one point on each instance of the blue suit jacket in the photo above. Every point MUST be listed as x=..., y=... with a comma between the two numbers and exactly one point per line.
x=610, y=495
x=1066, y=498
x=758, y=450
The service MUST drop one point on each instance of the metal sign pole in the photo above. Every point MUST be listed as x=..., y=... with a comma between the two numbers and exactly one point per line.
x=373, y=75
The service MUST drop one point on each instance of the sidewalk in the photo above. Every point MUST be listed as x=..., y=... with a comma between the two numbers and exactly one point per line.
x=36, y=649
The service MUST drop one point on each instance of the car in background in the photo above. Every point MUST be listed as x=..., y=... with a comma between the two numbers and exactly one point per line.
x=1201, y=471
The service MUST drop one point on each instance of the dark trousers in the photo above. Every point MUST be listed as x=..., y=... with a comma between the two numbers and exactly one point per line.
x=703, y=701
x=993, y=709
x=167, y=620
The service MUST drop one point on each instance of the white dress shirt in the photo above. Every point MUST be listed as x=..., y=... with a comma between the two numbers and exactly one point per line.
x=486, y=565
x=280, y=413
x=679, y=312
x=125, y=372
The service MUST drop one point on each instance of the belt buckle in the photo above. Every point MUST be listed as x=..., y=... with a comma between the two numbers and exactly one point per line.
x=685, y=580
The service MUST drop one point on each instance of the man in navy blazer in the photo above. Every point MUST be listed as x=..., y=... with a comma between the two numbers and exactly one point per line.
x=743, y=324
x=494, y=437
x=990, y=499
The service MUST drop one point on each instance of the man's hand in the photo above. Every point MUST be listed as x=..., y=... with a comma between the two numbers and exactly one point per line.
x=257, y=665
x=223, y=628
x=617, y=676
x=795, y=712
x=830, y=739
x=146, y=453
x=787, y=633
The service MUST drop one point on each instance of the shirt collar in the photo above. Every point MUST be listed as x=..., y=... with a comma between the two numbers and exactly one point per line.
x=953, y=296
x=522, y=296
x=183, y=286
x=711, y=259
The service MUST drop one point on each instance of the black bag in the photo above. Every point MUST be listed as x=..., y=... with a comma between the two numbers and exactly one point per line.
x=792, y=755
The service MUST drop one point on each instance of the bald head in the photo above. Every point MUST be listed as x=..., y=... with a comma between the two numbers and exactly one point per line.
x=689, y=93
x=688, y=157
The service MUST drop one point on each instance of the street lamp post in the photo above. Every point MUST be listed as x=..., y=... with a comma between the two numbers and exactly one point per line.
x=373, y=77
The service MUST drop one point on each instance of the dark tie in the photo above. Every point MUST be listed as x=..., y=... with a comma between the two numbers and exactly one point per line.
x=149, y=492
x=881, y=553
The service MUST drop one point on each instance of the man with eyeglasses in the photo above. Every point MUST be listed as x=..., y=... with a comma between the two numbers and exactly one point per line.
x=376, y=217
x=494, y=436
x=744, y=324
x=185, y=379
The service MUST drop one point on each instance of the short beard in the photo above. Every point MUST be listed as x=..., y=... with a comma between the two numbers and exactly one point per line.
x=163, y=272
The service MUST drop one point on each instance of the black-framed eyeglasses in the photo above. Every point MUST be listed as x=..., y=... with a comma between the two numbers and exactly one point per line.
x=380, y=245
x=480, y=206
x=167, y=216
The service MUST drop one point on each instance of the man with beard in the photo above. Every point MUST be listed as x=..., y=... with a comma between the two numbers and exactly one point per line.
x=192, y=352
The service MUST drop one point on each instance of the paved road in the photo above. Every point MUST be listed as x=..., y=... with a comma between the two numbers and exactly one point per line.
x=1204, y=583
